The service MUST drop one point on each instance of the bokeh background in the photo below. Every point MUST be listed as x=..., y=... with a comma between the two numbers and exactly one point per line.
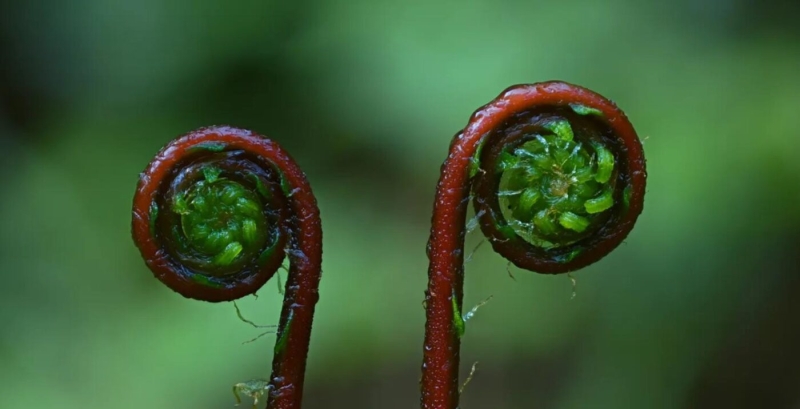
x=697, y=310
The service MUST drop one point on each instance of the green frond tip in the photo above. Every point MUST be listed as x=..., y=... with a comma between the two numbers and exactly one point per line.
x=506, y=161
x=260, y=188
x=605, y=163
x=626, y=197
x=475, y=162
x=504, y=229
x=566, y=258
x=153, y=217
x=458, y=320
x=561, y=128
x=179, y=204
x=573, y=222
x=201, y=279
x=211, y=173
x=266, y=254
x=286, y=186
x=600, y=203
x=544, y=223
x=249, y=231
x=528, y=198
x=229, y=254
x=209, y=146
x=584, y=110
x=283, y=339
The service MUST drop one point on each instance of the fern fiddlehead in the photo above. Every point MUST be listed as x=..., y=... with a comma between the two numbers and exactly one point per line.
x=214, y=215
x=557, y=176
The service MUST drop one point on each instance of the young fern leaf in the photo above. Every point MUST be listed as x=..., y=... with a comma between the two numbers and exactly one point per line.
x=561, y=184
x=213, y=222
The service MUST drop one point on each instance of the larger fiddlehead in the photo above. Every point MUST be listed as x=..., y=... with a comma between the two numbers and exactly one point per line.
x=557, y=176
x=214, y=215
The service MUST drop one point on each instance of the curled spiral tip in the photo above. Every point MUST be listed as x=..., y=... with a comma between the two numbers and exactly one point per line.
x=557, y=176
x=215, y=213
x=562, y=177
x=210, y=213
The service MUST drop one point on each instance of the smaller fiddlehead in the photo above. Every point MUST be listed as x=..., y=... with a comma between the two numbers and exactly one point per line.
x=214, y=215
x=557, y=175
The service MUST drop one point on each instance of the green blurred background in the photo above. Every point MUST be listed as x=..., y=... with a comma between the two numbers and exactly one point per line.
x=697, y=310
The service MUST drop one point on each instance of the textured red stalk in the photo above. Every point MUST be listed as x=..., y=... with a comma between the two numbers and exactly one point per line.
x=485, y=131
x=299, y=233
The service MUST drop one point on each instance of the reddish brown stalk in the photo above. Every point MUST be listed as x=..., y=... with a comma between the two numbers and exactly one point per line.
x=516, y=116
x=267, y=175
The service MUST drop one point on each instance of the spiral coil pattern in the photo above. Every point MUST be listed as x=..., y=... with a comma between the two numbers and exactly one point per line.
x=210, y=214
x=215, y=213
x=557, y=176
